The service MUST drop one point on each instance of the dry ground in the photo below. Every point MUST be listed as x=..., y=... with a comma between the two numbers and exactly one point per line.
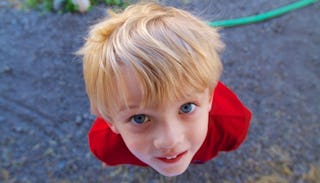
x=273, y=66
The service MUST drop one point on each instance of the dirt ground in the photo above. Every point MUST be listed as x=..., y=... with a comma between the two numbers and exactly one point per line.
x=273, y=66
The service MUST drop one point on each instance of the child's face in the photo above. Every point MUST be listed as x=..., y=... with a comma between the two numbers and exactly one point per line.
x=166, y=137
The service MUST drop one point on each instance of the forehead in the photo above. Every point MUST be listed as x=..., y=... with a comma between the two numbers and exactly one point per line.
x=133, y=91
x=131, y=86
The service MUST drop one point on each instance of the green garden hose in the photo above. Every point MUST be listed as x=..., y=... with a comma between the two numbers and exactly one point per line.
x=263, y=16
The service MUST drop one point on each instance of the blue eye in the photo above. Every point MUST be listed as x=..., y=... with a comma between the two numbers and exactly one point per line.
x=187, y=108
x=139, y=118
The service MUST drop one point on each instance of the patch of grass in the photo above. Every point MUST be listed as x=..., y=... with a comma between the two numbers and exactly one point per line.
x=271, y=179
x=313, y=176
x=45, y=5
x=282, y=173
x=69, y=6
x=120, y=3
x=31, y=3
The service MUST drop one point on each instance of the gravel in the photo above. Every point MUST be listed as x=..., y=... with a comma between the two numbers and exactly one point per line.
x=273, y=66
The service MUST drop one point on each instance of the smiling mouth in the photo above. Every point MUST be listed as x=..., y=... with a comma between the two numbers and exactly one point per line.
x=172, y=159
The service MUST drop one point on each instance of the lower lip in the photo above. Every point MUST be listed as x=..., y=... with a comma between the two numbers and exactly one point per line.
x=174, y=160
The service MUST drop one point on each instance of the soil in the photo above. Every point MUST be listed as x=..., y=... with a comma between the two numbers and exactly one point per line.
x=273, y=66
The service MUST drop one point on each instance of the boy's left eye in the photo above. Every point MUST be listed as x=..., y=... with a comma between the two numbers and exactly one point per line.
x=187, y=108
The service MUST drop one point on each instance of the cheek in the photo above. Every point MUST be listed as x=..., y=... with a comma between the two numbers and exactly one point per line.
x=137, y=144
x=198, y=131
x=136, y=140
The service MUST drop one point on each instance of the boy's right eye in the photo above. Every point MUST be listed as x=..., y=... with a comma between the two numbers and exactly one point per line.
x=139, y=119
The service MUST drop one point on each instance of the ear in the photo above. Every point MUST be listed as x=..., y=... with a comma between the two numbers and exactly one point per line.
x=210, y=101
x=107, y=119
x=112, y=126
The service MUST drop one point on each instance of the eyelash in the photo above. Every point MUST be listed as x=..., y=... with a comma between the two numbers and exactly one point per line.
x=131, y=119
x=192, y=110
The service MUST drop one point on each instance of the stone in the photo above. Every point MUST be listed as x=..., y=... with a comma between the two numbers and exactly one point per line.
x=83, y=5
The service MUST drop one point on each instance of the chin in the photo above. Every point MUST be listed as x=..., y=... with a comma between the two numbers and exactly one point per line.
x=174, y=174
x=171, y=173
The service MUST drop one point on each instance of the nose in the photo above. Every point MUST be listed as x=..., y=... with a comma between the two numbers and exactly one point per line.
x=169, y=134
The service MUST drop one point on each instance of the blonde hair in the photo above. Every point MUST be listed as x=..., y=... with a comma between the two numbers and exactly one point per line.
x=169, y=50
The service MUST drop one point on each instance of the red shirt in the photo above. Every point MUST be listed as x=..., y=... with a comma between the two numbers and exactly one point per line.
x=228, y=126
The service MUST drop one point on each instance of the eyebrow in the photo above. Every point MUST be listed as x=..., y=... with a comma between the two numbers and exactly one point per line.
x=194, y=95
x=129, y=107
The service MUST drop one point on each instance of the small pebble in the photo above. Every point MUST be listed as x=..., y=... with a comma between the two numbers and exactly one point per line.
x=6, y=69
x=78, y=120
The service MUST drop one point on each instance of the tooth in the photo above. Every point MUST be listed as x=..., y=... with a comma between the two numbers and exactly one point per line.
x=172, y=157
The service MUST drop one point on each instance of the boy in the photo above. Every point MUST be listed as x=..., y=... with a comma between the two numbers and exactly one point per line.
x=152, y=77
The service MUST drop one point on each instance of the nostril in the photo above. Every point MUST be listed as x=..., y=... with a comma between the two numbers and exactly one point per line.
x=167, y=142
x=169, y=133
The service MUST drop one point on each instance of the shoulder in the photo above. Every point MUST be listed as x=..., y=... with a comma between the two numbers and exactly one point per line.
x=108, y=146
x=228, y=124
x=230, y=117
x=101, y=138
x=226, y=103
x=99, y=125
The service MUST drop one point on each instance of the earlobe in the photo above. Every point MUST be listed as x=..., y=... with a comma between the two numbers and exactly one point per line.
x=113, y=128
x=111, y=124
x=210, y=103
